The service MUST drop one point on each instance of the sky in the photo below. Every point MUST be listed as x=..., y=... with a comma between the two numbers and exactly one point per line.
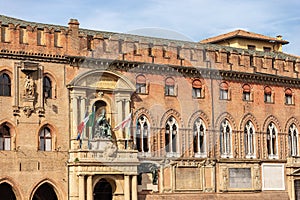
x=192, y=20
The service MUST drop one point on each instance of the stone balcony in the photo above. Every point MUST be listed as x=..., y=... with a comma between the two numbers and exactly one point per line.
x=104, y=152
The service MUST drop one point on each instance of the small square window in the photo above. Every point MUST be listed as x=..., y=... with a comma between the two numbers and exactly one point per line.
x=251, y=47
x=267, y=49
x=246, y=96
x=288, y=99
x=268, y=98
x=223, y=94
x=169, y=90
x=197, y=93
x=141, y=88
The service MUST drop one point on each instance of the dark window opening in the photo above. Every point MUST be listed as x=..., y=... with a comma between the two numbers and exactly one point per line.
x=5, y=85
x=47, y=87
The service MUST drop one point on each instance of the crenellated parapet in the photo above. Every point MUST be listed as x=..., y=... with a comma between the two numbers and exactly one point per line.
x=32, y=38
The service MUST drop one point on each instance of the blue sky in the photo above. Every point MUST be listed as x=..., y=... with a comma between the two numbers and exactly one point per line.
x=184, y=19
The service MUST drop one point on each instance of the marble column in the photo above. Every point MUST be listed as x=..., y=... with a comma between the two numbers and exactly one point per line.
x=161, y=179
x=127, y=187
x=81, y=195
x=74, y=120
x=89, y=188
x=134, y=188
x=83, y=111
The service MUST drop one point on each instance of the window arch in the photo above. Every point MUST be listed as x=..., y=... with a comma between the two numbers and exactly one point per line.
x=268, y=95
x=171, y=131
x=224, y=91
x=225, y=139
x=246, y=92
x=47, y=87
x=141, y=84
x=293, y=140
x=5, y=138
x=142, y=136
x=272, y=140
x=170, y=87
x=45, y=139
x=197, y=89
x=288, y=94
x=199, y=139
x=5, y=85
x=249, y=140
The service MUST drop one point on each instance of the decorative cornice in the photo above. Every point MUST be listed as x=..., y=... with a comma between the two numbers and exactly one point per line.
x=141, y=67
x=186, y=71
x=37, y=57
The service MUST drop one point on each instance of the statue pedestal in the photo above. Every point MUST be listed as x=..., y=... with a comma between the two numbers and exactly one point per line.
x=99, y=144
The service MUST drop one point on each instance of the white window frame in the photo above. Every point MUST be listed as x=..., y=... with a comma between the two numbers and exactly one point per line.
x=226, y=141
x=272, y=155
x=171, y=121
x=143, y=121
x=200, y=152
x=250, y=138
x=293, y=140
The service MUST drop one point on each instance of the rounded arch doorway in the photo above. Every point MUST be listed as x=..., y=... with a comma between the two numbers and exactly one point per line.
x=103, y=190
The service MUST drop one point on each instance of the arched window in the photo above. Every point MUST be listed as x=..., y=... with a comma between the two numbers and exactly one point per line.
x=47, y=87
x=142, y=136
x=5, y=85
x=288, y=96
x=246, y=92
x=197, y=89
x=268, y=94
x=224, y=94
x=5, y=138
x=249, y=140
x=199, y=138
x=45, y=139
x=171, y=130
x=272, y=140
x=141, y=84
x=170, y=87
x=293, y=140
x=225, y=139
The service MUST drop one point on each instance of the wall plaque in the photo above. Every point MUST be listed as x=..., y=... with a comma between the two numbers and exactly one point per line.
x=240, y=178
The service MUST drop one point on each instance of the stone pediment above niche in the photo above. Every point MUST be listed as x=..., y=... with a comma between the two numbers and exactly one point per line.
x=103, y=81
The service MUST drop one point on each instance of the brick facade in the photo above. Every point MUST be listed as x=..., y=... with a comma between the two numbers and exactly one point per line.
x=196, y=105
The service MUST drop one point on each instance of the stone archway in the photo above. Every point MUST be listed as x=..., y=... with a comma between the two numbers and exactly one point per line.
x=45, y=192
x=6, y=192
x=103, y=190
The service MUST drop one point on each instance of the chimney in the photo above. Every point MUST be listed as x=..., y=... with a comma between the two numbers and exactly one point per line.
x=73, y=24
x=279, y=37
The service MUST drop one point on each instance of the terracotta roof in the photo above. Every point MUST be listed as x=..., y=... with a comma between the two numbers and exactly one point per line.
x=242, y=34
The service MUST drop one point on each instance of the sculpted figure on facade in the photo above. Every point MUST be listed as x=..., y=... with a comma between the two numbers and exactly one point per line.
x=29, y=86
x=103, y=128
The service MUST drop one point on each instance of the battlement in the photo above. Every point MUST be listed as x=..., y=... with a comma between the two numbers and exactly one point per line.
x=34, y=38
